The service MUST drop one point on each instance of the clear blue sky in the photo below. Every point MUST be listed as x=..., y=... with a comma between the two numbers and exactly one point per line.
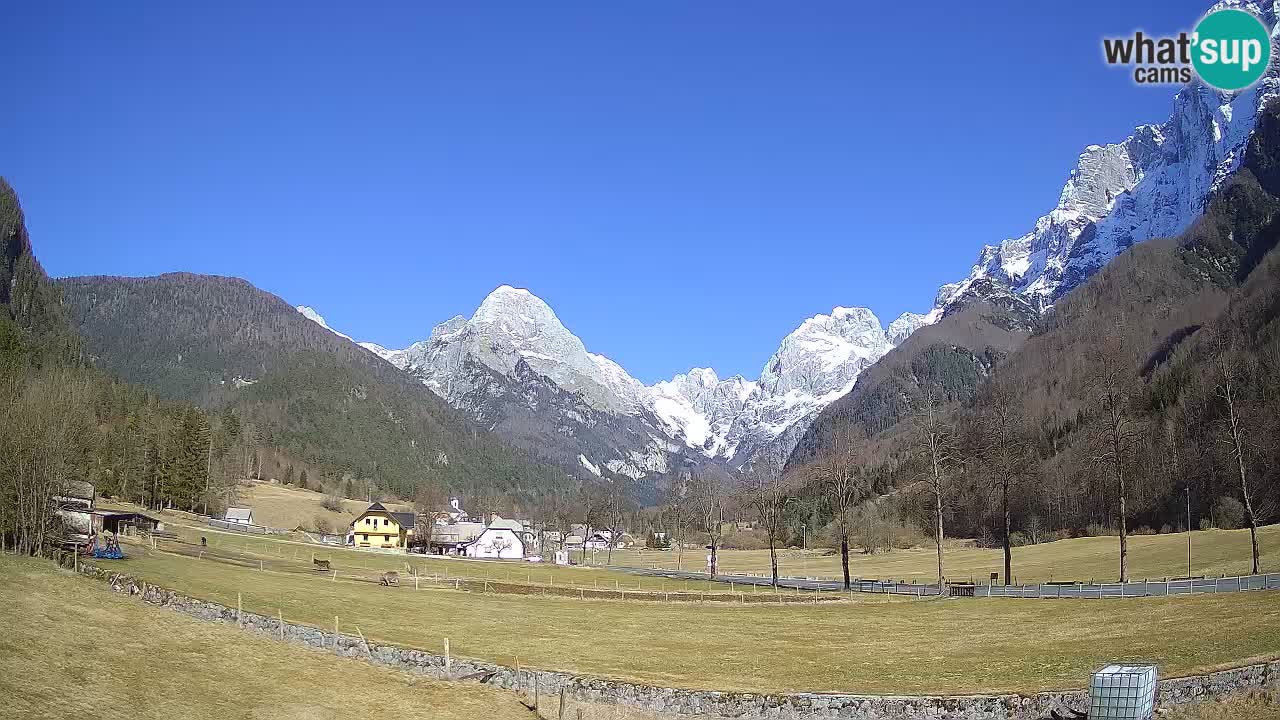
x=683, y=182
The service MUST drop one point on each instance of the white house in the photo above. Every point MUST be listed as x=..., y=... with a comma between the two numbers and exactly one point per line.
x=239, y=516
x=599, y=540
x=501, y=540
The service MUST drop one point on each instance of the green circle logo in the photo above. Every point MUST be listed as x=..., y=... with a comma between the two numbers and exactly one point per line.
x=1232, y=49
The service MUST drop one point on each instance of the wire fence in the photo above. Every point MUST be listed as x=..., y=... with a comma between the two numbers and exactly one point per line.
x=330, y=569
x=1091, y=590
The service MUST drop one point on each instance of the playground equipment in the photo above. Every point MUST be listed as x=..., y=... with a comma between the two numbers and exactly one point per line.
x=110, y=551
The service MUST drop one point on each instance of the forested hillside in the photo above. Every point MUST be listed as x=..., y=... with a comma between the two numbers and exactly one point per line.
x=327, y=403
x=1154, y=383
x=34, y=331
x=65, y=422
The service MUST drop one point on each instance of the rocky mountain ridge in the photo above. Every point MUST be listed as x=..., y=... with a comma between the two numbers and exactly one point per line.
x=515, y=341
x=1152, y=184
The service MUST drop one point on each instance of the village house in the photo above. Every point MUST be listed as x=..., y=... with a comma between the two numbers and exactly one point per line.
x=452, y=539
x=378, y=527
x=75, y=505
x=500, y=539
x=599, y=540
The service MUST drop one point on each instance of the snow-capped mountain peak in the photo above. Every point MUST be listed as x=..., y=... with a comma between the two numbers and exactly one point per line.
x=315, y=317
x=1152, y=184
x=510, y=326
x=902, y=327
x=814, y=364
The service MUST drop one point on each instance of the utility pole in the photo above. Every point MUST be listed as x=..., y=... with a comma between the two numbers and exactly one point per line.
x=804, y=536
x=1188, y=531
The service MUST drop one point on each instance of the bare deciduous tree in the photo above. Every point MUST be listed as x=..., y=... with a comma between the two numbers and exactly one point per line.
x=935, y=443
x=1118, y=430
x=41, y=448
x=843, y=486
x=499, y=545
x=613, y=512
x=1004, y=447
x=764, y=491
x=679, y=507
x=589, y=511
x=709, y=499
x=429, y=500
x=1233, y=427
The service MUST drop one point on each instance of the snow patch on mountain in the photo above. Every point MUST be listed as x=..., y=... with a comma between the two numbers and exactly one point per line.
x=590, y=466
x=315, y=317
x=818, y=362
x=1152, y=184
x=903, y=326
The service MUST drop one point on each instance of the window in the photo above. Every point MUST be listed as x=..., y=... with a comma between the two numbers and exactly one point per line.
x=364, y=537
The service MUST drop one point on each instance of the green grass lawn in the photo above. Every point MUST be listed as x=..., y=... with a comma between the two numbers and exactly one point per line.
x=1213, y=552
x=71, y=648
x=868, y=645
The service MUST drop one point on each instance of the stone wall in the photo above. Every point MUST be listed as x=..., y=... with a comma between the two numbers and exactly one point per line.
x=797, y=706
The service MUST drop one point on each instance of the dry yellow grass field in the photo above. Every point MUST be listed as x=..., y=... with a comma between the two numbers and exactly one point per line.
x=71, y=648
x=866, y=645
x=1214, y=552
x=281, y=506
x=289, y=552
x=1261, y=705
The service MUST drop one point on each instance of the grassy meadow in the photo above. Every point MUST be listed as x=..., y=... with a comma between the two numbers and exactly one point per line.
x=1259, y=705
x=284, y=507
x=72, y=648
x=286, y=553
x=1213, y=552
x=870, y=644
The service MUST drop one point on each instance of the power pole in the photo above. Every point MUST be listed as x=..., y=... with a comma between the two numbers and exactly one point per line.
x=1188, y=531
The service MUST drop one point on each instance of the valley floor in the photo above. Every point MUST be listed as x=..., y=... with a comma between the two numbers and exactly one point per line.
x=869, y=644
x=1213, y=552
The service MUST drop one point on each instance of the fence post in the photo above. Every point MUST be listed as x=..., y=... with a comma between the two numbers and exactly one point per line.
x=448, y=662
x=367, y=651
x=280, y=617
x=239, y=611
x=564, y=701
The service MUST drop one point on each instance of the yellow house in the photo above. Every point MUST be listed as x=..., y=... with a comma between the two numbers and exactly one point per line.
x=378, y=527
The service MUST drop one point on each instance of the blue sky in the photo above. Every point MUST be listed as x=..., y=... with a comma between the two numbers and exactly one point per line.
x=682, y=182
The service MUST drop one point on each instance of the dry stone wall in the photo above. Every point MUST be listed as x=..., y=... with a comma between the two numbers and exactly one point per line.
x=705, y=703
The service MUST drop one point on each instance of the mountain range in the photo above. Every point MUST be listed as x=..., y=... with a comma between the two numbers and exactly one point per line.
x=515, y=368
x=487, y=364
